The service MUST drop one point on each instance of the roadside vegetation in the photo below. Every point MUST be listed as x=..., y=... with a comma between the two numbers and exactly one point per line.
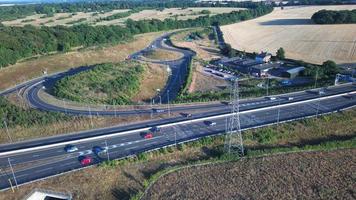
x=107, y=83
x=12, y=116
x=128, y=178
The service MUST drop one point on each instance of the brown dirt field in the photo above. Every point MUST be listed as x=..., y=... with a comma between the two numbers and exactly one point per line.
x=293, y=30
x=160, y=54
x=315, y=175
x=27, y=70
x=155, y=77
x=67, y=17
x=202, y=82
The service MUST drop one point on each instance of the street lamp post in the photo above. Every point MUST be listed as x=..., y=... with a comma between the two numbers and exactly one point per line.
x=7, y=131
x=13, y=173
x=107, y=150
x=316, y=77
x=169, y=111
x=279, y=111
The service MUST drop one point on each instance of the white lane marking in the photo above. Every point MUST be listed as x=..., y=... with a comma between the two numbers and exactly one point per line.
x=167, y=125
x=42, y=170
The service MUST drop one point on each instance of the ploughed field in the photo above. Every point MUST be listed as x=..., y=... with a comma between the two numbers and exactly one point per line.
x=311, y=175
x=293, y=30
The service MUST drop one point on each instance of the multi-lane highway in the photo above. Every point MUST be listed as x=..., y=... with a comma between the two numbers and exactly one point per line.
x=45, y=157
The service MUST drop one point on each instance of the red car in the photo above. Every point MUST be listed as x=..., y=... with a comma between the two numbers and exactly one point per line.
x=148, y=135
x=86, y=160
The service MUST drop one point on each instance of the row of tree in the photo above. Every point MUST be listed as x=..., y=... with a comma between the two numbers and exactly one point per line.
x=19, y=11
x=334, y=17
x=21, y=42
x=12, y=116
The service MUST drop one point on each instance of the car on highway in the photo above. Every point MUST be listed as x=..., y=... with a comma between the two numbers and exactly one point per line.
x=97, y=150
x=70, y=148
x=158, y=110
x=290, y=98
x=271, y=98
x=210, y=123
x=187, y=115
x=148, y=135
x=86, y=160
x=156, y=129
x=321, y=92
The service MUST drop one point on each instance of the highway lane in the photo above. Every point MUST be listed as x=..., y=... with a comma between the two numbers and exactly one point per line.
x=129, y=144
x=244, y=105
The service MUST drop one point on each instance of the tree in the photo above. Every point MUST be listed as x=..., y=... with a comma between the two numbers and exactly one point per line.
x=228, y=51
x=281, y=53
x=330, y=68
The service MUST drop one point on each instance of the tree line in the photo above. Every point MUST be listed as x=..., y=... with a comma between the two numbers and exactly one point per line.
x=21, y=42
x=334, y=17
x=13, y=116
x=20, y=11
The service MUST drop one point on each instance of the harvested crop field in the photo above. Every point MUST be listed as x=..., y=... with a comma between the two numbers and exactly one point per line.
x=293, y=30
x=181, y=14
x=313, y=175
x=61, y=18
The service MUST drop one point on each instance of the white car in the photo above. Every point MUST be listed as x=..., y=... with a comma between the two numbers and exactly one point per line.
x=70, y=148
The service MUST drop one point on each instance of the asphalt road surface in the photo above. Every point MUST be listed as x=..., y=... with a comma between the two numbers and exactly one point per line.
x=36, y=164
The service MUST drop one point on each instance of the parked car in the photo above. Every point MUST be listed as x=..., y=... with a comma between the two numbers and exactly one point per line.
x=148, y=135
x=70, y=148
x=86, y=160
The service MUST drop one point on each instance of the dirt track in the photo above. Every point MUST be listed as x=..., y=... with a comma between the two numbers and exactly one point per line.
x=317, y=175
x=293, y=30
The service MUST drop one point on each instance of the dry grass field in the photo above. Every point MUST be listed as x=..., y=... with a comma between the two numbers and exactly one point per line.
x=313, y=175
x=293, y=30
x=161, y=54
x=68, y=19
x=206, y=50
x=26, y=70
x=60, y=18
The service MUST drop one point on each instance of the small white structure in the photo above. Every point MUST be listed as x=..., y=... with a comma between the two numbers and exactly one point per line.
x=39, y=194
x=263, y=57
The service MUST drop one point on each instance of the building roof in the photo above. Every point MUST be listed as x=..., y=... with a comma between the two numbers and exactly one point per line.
x=295, y=70
x=263, y=54
x=266, y=66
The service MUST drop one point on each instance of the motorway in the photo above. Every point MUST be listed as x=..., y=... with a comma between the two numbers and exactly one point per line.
x=46, y=157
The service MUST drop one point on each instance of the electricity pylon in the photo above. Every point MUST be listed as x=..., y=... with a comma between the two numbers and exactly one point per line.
x=233, y=139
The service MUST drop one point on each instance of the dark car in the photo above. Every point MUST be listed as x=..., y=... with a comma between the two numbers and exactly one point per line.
x=156, y=129
x=98, y=149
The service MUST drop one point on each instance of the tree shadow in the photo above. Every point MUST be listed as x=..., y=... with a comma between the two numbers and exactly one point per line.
x=288, y=22
x=122, y=194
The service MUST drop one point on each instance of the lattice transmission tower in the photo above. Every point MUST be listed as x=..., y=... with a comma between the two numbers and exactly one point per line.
x=233, y=139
